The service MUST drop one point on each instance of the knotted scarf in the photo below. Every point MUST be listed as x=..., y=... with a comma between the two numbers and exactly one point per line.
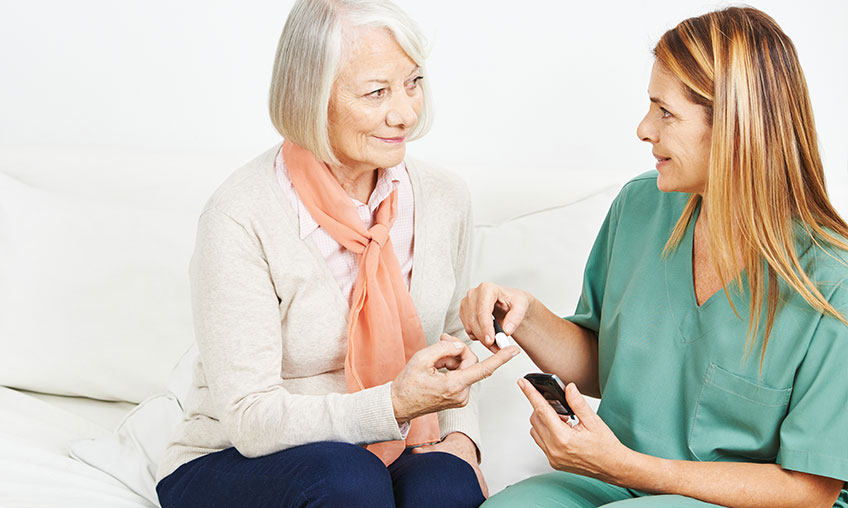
x=383, y=327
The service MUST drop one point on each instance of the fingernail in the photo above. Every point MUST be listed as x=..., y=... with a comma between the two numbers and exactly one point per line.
x=515, y=352
x=509, y=328
x=489, y=340
x=458, y=345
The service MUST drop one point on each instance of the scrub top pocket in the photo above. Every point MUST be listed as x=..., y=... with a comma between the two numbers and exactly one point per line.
x=737, y=419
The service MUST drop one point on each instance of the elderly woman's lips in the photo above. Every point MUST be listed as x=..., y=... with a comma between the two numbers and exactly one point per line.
x=392, y=140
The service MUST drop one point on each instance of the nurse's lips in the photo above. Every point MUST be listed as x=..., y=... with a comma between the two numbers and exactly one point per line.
x=661, y=160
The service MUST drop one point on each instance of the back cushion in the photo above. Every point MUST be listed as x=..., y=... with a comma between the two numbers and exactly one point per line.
x=93, y=298
x=94, y=254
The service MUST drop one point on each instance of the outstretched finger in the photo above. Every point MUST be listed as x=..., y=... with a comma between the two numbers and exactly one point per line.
x=487, y=367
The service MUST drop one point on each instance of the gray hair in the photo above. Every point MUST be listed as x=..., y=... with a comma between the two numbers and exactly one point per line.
x=310, y=55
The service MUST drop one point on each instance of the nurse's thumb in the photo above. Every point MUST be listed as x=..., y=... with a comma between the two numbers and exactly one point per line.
x=581, y=408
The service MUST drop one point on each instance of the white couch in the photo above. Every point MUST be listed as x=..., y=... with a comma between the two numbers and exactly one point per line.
x=95, y=314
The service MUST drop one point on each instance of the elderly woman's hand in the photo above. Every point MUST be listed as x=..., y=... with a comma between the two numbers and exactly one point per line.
x=457, y=443
x=588, y=448
x=422, y=387
x=508, y=304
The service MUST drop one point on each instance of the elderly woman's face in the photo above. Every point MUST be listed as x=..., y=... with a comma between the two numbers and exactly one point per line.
x=375, y=103
x=679, y=132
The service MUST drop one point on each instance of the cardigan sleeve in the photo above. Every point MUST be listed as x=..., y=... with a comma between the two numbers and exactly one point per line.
x=238, y=329
x=464, y=419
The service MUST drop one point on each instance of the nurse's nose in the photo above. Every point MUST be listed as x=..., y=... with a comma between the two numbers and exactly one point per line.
x=646, y=131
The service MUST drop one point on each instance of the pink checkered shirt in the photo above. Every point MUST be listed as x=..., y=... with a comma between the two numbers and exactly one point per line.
x=344, y=264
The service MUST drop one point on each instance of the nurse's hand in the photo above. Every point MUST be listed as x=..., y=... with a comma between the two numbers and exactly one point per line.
x=423, y=387
x=509, y=305
x=589, y=448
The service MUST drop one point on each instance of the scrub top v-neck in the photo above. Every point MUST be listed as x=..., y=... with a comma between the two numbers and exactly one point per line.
x=676, y=379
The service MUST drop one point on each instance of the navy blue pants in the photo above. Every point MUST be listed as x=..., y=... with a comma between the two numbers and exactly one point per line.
x=321, y=475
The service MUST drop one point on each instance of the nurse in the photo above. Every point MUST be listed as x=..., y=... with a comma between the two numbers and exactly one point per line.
x=712, y=320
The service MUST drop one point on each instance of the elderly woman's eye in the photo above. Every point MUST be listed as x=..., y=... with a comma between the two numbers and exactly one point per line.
x=380, y=92
x=414, y=82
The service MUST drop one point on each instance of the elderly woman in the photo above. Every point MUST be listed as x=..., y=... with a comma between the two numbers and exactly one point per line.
x=322, y=270
x=713, y=315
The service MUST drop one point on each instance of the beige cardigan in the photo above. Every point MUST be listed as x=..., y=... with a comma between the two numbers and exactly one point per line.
x=271, y=322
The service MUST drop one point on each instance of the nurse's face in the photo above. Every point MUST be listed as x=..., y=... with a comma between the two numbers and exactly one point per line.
x=679, y=132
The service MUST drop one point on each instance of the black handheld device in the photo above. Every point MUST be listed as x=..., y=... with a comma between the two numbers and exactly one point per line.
x=552, y=389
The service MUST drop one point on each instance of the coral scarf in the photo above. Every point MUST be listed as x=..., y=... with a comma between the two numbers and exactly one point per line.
x=382, y=311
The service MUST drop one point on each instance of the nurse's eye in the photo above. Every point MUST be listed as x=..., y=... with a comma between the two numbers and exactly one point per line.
x=665, y=113
x=377, y=94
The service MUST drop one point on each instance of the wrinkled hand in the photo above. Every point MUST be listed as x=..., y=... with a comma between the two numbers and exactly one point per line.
x=589, y=448
x=476, y=310
x=457, y=443
x=422, y=388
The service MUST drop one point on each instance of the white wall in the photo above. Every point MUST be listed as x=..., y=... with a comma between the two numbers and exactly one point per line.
x=519, y=85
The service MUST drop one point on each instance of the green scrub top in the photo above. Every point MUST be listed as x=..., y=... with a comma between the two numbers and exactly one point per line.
x=674, y=376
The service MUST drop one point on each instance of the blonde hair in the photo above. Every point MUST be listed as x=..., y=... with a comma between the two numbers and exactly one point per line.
x=310, y=54
x=766, y=183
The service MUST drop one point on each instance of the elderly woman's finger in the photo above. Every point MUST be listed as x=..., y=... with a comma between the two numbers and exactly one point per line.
x=450, y=363
x=467, y=358
x=464, y=359
x=435, y=355
x=450, y=338
x=487, y=367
